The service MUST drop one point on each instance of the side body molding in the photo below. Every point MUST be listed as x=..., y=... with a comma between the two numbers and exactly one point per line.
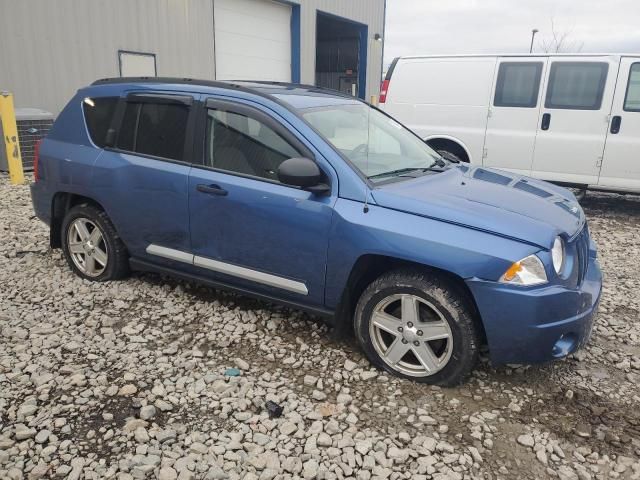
x=229, y=269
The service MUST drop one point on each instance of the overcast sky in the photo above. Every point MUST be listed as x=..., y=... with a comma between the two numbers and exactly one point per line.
x=503, y=26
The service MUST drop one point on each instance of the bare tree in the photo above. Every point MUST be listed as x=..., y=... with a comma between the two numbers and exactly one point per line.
x=560, y=41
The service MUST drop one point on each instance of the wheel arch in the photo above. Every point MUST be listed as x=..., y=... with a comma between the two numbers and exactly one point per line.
x=440, y=142
x=368, y=267
x=61, y=203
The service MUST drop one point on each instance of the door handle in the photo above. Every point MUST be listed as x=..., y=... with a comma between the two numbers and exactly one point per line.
x=212, y=190
x=546, y=121
x=615, y=124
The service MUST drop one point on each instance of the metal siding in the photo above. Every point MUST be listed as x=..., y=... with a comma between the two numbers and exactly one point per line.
x=50, y=49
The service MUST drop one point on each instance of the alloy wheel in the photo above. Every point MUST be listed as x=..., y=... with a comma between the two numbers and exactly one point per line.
x=411, y=335
x=87, y=247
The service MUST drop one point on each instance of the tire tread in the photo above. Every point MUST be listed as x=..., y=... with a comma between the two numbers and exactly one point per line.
x=459, y=307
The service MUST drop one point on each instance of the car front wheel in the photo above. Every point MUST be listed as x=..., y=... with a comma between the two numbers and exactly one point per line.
x=417, y=326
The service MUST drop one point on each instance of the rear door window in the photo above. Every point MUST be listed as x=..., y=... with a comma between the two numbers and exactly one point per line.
x=98, y=113
x=632, y=97
x=576, y=85
x=155, y=129
x=518, y=84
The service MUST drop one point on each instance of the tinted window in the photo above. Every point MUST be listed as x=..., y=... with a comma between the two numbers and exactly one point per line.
x=518, y=84
x=632, y=97
x=155, y=129
x=98, y=113
x=576, y=85
x=242, y=144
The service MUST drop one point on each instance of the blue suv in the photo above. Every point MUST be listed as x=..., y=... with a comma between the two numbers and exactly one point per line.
x=317, y=200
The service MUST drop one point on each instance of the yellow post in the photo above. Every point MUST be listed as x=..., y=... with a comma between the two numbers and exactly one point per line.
x=10, y=132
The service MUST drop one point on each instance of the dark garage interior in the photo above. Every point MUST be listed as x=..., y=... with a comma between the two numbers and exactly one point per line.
x=339, y=54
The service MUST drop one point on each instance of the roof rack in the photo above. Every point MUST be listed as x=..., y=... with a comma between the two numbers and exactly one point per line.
x=244, y=85
x=174, y=80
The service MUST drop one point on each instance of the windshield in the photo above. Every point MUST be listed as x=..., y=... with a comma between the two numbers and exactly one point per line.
x=376, y=144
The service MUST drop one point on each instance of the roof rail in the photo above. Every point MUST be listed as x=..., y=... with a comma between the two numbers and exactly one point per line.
x=235, y=84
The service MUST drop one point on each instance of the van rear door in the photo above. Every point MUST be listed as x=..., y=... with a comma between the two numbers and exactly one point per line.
x=513, y=114
x=621, y=162
x=573, y=126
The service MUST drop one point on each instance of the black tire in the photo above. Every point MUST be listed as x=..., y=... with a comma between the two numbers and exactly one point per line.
x=452, y=306
x=117, y=265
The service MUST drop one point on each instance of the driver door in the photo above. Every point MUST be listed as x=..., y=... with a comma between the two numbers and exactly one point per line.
x=247, y=228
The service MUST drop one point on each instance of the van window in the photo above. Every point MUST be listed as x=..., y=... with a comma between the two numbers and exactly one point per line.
x=241, y=144
x=632, y=97
x=155, y=129
x=518, y=84
x=576, y=85
x=98, y=113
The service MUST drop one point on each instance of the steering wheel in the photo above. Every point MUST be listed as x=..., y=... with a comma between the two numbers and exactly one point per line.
x=360, y=149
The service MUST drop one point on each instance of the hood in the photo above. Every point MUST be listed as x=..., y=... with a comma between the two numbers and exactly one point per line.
x=502, y=203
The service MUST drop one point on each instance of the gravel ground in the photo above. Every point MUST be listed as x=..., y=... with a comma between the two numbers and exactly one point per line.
x=131, y=380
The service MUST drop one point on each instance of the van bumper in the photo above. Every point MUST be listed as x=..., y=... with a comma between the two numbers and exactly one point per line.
x=537, y=324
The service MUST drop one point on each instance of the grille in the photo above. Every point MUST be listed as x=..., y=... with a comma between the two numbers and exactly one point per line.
x=33, y=124
x=582, y=251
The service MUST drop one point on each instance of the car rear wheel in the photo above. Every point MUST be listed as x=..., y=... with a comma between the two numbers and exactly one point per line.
x=418, y=327
x=92, y=246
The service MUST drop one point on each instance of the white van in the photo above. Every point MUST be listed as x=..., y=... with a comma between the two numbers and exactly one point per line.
x=569, y=119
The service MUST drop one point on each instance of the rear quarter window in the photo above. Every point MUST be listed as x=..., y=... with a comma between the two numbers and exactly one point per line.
x=98, y=113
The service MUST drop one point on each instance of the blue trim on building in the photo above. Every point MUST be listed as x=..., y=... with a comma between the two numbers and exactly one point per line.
x=362, y=62
x=295, y=43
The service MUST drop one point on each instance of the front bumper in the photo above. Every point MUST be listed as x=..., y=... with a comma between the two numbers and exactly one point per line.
x=537, y=324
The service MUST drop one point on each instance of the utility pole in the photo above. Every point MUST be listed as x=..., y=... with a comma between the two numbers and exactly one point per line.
x=533, y=35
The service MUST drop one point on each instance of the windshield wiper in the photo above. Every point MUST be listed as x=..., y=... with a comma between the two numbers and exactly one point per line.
x=402, y=171
x=397, y=172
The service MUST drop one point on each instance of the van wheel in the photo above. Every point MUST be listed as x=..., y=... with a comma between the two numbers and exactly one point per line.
x=92, y=246
x=416, y=326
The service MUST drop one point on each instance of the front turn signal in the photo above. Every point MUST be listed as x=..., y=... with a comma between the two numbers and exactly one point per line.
x=528, y=271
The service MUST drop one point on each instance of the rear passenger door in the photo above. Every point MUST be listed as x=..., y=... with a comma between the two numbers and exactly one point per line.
x=621, y=164
x=248, y=229
x=573, y=125
x=142, y=176
x=513, y=114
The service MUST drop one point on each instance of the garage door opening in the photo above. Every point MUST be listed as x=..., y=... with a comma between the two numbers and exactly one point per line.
x=341, y=54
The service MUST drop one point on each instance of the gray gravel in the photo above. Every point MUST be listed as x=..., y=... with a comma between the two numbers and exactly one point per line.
x=127, y=380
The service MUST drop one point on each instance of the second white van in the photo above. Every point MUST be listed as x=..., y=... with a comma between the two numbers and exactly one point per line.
x=569, y=119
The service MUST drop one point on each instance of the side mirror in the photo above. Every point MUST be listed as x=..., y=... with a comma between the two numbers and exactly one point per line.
x=304, y=173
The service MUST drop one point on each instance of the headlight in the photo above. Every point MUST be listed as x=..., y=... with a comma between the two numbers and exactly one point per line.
x=528, y=271
x=557, y=255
